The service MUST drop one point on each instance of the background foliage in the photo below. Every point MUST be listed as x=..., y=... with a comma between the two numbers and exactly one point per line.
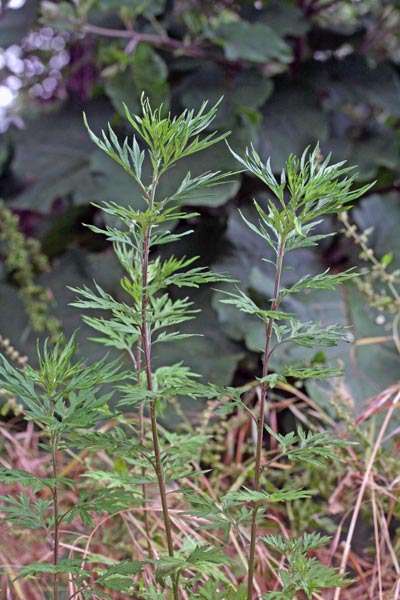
x=291, y=73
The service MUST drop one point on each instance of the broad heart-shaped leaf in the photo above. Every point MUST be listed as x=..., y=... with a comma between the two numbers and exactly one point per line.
x=16, y=23
x=150, y=74
x=284, y=18
x=121, y=88
x=353, y=82
x=255, y=42
x=211, y=352
x=292, y=120
x=146, y=72
x=377, y=147
x=13, y=322
x=113, y=183
x=244, y=262
x=53, y=157
x=373, y=362
x=75, y=269
x=374, y=356
x=382, y=213
x=243, y=93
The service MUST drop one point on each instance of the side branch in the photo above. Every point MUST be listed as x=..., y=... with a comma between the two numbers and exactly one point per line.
x=161, y=41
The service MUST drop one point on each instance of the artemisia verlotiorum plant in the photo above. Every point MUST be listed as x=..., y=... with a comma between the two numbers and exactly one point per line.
x=63, y=396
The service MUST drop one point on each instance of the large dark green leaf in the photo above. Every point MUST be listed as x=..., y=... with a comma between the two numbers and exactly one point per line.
x=293, y=119
x=372, y=363
x=243, y=93
x=121, y=88
x=255, y=42
x=382, y=213
x=355, y=82
x=75, y=268
x=376, y=147
x=150, y=75
x=210, y=353
x=53, y=157
x=146, y=73
x=112, y=183
x=13, y=322
x=243, y=261
x=284, y=18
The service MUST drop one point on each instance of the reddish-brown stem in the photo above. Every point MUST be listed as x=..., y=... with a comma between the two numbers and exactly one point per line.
x=261, y=421
x=137, y=361
x=298, y=52
x=161, y=41
x=56, y=540
x=146, y=349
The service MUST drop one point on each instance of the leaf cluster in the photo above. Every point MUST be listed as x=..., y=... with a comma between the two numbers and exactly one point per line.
x=310, y=448
x=147, y=281
x=302, y=573
x=62, y=394
x=168, y=140
x=308, y=188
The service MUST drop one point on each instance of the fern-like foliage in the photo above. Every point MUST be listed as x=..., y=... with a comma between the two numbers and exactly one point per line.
x=302, y=573
x=168, y=139
x=65, y=397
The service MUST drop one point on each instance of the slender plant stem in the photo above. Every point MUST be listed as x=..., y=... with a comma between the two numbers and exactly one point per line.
x=56, y=540
x=146, y=348
x=137, y=362
x=261, y=422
